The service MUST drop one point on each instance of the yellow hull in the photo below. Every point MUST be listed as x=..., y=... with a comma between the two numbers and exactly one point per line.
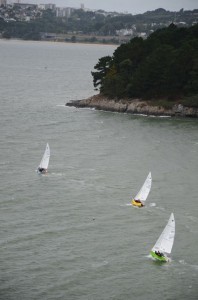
x=138, y=204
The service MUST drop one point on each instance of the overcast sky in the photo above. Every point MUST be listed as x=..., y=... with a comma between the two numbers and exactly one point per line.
x=131, y=6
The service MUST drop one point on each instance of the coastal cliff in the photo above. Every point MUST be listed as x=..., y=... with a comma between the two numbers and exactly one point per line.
x=134, y=106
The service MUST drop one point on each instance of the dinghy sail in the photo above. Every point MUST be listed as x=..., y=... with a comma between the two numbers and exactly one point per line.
x=143, y=193
x=164, y=244
x=42, y=168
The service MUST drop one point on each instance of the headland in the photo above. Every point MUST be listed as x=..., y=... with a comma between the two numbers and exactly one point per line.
x=134, y=106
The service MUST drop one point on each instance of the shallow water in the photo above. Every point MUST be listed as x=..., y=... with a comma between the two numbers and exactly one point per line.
x=73, y=234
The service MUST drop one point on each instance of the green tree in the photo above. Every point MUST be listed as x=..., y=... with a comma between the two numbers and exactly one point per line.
x=102, y=67
x=163, y=66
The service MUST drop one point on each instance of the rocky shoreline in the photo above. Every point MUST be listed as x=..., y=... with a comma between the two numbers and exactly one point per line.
x=133, y=106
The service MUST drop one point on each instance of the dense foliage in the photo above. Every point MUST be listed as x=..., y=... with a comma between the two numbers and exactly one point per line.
x=31, y=30
x=165, y=66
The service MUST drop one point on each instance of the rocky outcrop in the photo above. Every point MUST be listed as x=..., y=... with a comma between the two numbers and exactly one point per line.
x=134, y=106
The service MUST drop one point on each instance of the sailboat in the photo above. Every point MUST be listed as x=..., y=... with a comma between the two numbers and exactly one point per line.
x=164, y=244
x=42, y=168
x=143, y=192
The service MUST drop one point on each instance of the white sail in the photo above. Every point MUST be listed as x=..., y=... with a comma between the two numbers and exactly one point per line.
x=145, y=189
x=45, y=159
x=166, y=239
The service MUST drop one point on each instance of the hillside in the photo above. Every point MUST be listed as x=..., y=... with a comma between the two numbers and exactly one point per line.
x=77, y=25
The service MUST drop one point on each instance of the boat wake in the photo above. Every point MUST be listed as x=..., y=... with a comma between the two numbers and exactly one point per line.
x=56, y=174
x=184, y=263
x=100, y=264
x=130, y=204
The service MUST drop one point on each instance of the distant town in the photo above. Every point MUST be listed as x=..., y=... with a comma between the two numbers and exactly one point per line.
x=49, y=22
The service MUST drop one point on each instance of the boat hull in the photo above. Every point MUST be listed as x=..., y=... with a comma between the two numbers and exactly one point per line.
x=138, y=204
x=159, y=258
x=43, y=172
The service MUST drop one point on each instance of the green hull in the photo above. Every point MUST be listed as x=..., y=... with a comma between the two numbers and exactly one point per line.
x=159, y=258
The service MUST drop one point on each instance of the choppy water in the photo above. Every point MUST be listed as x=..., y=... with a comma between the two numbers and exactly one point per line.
x=72, y=234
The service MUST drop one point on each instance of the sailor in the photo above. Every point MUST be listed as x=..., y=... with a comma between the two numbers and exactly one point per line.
x=41, y=170
x=158, y=253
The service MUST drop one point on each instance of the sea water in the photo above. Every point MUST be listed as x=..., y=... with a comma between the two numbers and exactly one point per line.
x=73, y=234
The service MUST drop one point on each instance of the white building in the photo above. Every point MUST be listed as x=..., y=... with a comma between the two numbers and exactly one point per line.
x=62, y=12
x=47, y=6
x=124, y=32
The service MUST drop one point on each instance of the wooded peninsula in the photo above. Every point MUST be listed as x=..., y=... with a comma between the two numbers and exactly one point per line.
x=160, y=71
